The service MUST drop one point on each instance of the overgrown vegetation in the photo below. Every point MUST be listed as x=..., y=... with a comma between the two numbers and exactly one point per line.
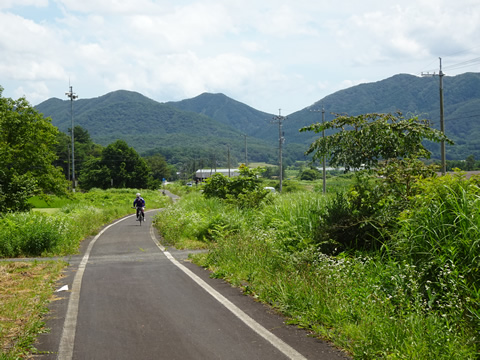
x=386, y=269
x=26, y=289
x=245, y=190
x=60, y=233
x=396, y=302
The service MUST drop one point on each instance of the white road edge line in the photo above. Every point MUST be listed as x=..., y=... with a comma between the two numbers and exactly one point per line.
x=283, y=347
x=67, y=341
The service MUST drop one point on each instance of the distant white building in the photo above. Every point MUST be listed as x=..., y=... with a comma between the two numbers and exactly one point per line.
x=203, y=174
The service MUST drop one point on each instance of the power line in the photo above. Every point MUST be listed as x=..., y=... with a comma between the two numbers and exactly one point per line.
x=464, y=64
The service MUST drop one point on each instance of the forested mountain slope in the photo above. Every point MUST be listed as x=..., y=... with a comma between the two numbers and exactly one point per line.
x=207, y=125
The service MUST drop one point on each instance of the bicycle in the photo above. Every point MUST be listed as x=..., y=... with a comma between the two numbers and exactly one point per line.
x=140, y=214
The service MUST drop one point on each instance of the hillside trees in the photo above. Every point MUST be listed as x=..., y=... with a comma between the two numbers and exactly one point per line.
x=119, y=166
x=27, y=141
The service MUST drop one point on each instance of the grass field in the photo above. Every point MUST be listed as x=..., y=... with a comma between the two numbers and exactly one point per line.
x=56, y=228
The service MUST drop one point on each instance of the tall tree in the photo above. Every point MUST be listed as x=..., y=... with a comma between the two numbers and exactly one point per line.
x=389, y=147
x=85, y=148
x=27, y=153
x=160, y=169
x=119, y=166
x=363, y=141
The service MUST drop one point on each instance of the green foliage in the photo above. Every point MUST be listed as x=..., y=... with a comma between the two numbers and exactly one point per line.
x=387, y=144
x=376, y=306
x=39, y=234
x=364, y=217
x=119, y=167
x=85, y=149
x=469, y=164
x=365, y=140
x=439, y=234
x=159, y=167
x=288, y=186
x=27, y=143
x=244, y=190
x=310, y=174
x=194, y=220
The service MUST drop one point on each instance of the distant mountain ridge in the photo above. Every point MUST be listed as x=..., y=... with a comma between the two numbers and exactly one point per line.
x=148, y=125
x=211, y=123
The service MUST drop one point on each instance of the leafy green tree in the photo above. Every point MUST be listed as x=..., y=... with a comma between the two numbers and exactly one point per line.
x=363, y=141
x=27, y=153
x=160, y=169
x=470, y=163
x=388, y=147
x=119, y=166
x=85, y=148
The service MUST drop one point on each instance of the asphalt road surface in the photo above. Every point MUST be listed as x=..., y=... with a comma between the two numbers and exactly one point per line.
x=130, y=298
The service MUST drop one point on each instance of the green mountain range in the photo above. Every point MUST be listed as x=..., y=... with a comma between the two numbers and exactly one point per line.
x=210, y=126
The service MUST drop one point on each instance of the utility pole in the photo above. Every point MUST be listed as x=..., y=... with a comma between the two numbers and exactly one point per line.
x=281, y=139
x=442, y=120
x=228, y=147
x=324, y=176
x=72, y=97
x=246, y=159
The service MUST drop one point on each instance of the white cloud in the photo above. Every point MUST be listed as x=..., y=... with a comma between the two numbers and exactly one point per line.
x=269, y=54
x=30, y=50
x=7, y=4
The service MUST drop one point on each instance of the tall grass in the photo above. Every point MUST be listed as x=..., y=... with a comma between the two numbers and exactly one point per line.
x=440, y=235
x=375, y=306
x=60, y=233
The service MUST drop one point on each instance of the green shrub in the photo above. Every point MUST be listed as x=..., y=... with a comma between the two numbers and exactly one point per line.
x=310, y=174
x=439, y=234
x=365, y=216
x=245, y=190
x=376, y=306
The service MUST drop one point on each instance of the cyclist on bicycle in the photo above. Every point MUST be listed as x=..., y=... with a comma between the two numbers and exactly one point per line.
x=139, y=203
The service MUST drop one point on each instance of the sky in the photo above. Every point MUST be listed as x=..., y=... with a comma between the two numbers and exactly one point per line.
x=268, y=54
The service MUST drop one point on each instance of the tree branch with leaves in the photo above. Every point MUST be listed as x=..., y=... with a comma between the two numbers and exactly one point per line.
x=390, y=147
x=363, y=141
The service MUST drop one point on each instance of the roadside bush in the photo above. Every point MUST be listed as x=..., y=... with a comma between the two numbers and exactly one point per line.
x=289, y=186
x=33, y=234
x=310, y=174
x=245, y=190
x=439, y=234
x=365, y=216
x=195, y=221
x=375, y=305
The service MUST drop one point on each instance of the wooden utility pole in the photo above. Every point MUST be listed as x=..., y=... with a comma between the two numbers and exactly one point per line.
x=442, y=119
x=246, y=158
x=323, y=160
x=281, y=139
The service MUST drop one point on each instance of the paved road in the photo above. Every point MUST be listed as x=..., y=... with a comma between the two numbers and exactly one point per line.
x=130, y=298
